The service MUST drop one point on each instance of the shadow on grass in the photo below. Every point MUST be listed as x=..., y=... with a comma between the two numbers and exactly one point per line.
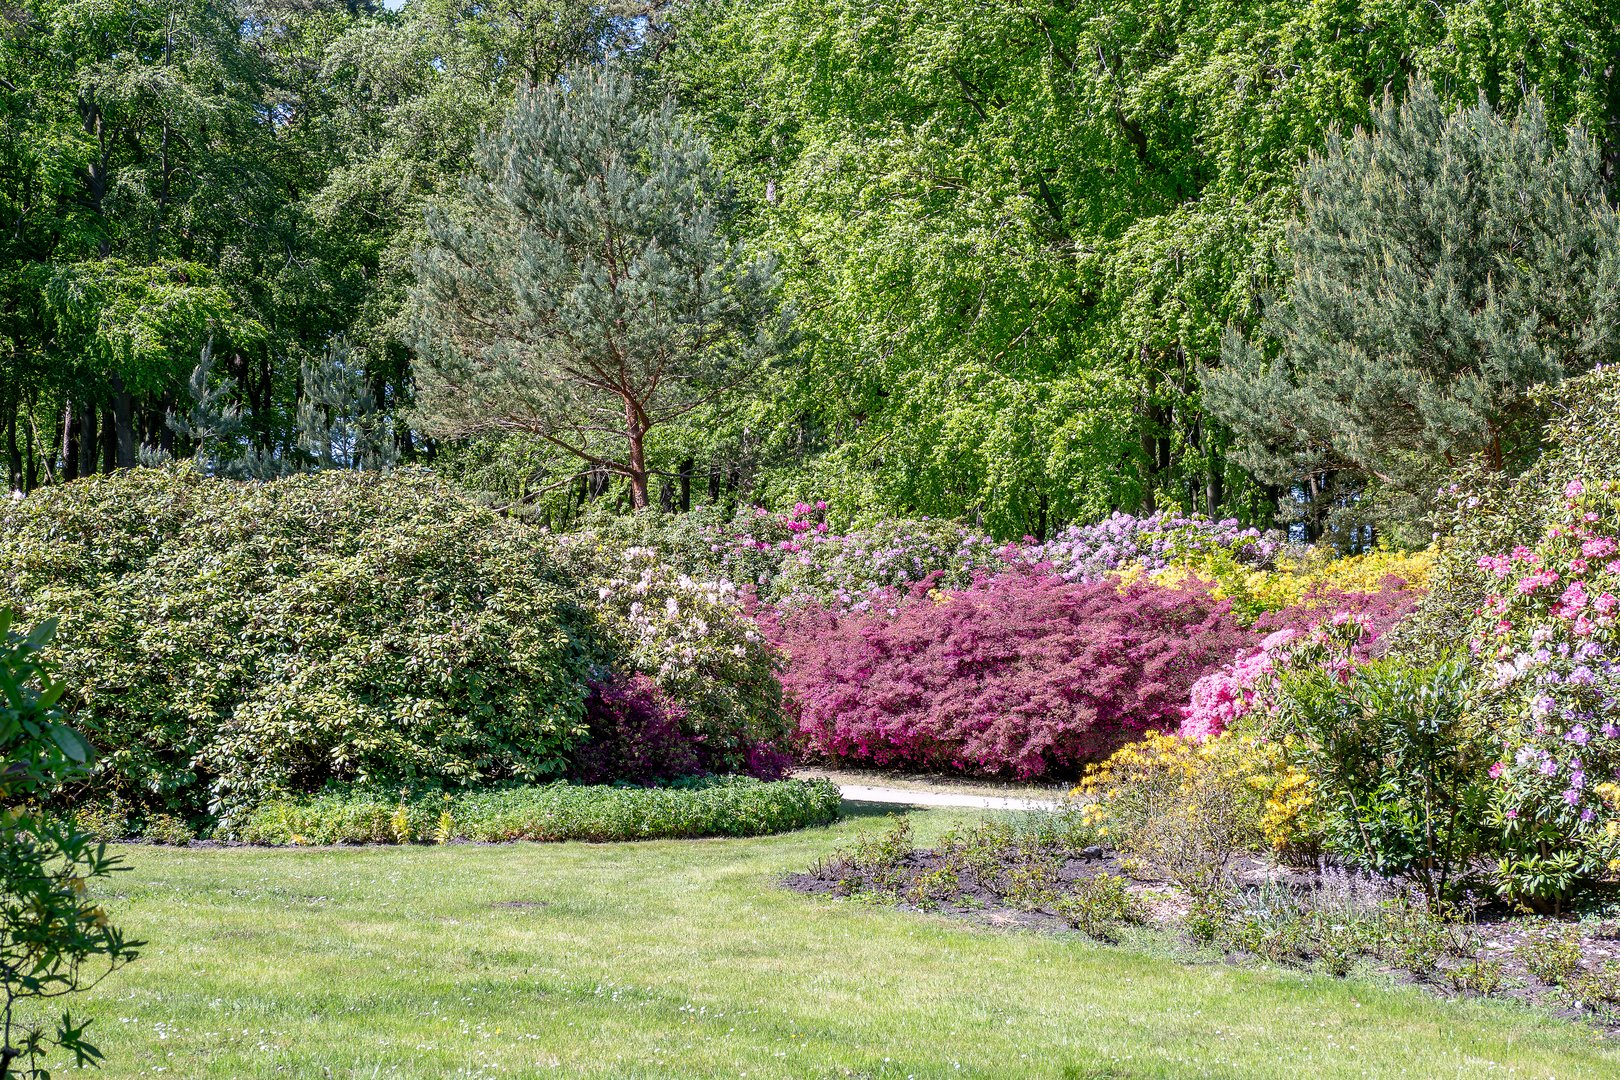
x=853, y=808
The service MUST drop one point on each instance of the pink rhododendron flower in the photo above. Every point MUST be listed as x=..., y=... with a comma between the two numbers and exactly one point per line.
x=1573, y=489
x=1278, y=639
x=1598, y=547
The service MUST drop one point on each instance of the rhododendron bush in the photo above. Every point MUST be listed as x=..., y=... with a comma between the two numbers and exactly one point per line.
x=1088, y=552
x=796, y=557
x=1226, y=695
x=1020, y=674
x=694, y=641
x=1546, y=638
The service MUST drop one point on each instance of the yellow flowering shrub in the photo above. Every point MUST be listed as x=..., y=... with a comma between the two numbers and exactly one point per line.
x=1293, y=580
x=1184, y=808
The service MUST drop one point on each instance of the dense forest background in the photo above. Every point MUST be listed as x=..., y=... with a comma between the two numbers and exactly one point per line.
x=1012, y=235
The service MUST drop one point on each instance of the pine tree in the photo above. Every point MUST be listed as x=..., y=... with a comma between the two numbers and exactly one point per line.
x=1442, y=265
x=581, y=289
x=339, y=423
x=213, y=417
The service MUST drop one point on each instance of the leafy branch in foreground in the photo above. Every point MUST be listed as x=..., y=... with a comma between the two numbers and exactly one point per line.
x=55, y=939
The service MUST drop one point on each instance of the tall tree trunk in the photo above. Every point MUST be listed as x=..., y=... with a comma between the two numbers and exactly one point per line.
x=685, y=470
x=87, y=439
x=635, y=430
x=123, y=425
x=14, y=452
x=109, y=440
x=70, y=442
x=30, y=459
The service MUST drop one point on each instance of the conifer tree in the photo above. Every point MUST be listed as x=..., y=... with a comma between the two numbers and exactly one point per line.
x=581, y=289
x=1442, y=265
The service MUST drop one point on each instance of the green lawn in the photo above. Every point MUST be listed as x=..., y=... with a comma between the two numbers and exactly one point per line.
x=684, y=958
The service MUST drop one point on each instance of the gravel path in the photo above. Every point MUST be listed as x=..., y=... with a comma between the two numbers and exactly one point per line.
x=910, y=797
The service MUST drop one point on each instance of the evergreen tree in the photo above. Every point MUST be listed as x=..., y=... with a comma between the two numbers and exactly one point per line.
x=581, y=289
x=339, y=424
x=212, y=416
x=1442, y=265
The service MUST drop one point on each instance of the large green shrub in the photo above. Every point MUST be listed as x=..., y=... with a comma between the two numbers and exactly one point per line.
x=1398, y=753
x=227, y=641
x=736, y=807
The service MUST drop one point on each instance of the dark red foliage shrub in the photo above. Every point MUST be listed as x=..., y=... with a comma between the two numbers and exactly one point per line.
x=1021, y=674
x=635, y=733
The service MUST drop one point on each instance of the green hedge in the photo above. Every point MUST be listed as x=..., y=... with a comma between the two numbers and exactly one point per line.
x=226, y=642
x=734, y=807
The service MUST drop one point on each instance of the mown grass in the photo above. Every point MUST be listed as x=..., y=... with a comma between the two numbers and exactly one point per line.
x=684, y=958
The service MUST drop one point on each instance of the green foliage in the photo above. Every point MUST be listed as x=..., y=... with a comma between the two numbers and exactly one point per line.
x=1398, y=754
x=1442, y=265
x=1482, y=977
x=55, y=939
x=1553, y=956
x=1014, y=232
x=1099, y=905
x=1345, y=920
x=582, y=289
x=734, y=807
x=227, y=641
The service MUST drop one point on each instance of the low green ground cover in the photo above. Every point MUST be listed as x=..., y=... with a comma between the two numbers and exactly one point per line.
x=685, y=958
x=738, y=806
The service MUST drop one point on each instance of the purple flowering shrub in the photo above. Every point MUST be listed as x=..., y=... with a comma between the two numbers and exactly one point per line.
x=1021, y=674
x=1546, y=640
x=633, y=733
x=1088, y=552
x=796, y=557
x=856, y=570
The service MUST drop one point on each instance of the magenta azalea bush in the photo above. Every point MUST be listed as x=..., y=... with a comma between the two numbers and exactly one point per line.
x=633, y=734
x=1546, y=639
x=636, y=733
x=1021, y=674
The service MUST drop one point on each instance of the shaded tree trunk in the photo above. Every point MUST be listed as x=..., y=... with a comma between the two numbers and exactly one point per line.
x=635, y=431
x=685, y=471
x=109, y=441
x=123, y=426
x=14, y=452
x=87, y=439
